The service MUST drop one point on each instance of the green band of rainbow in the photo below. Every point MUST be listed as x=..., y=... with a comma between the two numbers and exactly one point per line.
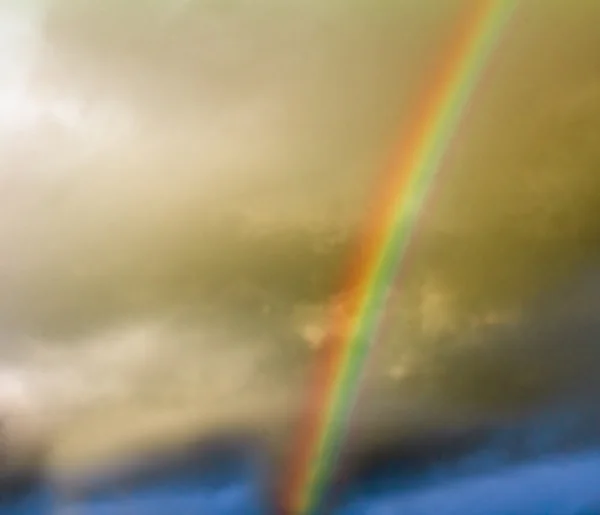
x=389, y=232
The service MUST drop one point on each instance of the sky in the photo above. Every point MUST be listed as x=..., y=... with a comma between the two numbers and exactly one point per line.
x=127, y=126
x=163, y=158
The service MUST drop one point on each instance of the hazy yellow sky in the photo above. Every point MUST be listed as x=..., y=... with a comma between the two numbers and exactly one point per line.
x=159, y=155
x=131, y=128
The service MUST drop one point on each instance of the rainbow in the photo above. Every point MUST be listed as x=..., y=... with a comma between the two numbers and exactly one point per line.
x=384, y=245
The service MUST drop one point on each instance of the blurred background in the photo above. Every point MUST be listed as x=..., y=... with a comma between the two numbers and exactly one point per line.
x=182, y=183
